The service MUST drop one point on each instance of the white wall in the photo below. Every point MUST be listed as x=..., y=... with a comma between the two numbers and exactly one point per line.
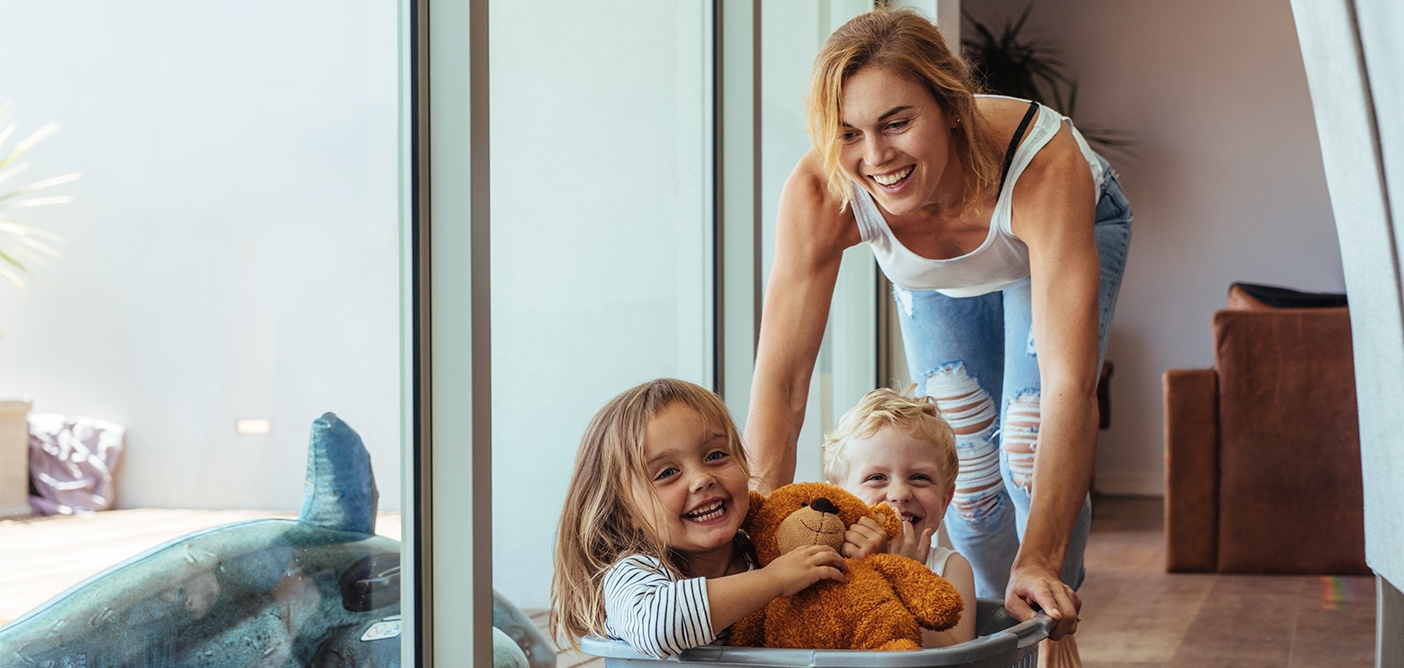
x=601, y=241
x=233, y=247
x=1227, y=184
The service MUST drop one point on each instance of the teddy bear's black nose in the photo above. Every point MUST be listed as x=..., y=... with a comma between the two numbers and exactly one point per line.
x=824, y=505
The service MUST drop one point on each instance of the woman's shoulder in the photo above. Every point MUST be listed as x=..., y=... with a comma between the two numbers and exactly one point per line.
x=808, y=200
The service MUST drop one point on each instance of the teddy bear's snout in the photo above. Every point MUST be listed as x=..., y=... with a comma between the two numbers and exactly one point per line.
x=824, y=505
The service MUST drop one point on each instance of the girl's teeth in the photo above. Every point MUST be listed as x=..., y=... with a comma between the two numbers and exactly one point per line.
x=706, y=514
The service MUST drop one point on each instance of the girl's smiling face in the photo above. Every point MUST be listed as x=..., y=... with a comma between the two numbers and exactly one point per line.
x=701, y=491
x=896, y=139
x=896, y=466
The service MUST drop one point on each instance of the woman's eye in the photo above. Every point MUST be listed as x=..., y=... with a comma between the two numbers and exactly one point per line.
x=897, y=125
x=665, y=474
x=848, y=136
x=715, y=455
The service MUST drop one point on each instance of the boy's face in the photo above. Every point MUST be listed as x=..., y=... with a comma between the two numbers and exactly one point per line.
x=896, y=466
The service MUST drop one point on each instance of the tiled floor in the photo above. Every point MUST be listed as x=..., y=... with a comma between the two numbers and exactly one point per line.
x=1134, y=614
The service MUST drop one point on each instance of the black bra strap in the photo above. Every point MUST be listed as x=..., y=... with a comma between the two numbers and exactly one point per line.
x=1014, y=143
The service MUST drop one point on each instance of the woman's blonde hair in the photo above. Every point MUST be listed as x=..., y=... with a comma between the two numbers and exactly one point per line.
x=904, y=42
x=601, y=522
x=883, y=408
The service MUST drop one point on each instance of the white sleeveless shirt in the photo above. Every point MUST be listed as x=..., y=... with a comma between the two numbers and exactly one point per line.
x=1002, y=260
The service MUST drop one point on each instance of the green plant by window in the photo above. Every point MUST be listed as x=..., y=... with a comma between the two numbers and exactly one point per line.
x=1010, y=63
x=22, y=246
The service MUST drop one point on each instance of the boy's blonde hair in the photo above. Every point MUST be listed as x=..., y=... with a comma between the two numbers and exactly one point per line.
x=601, y=522
x=882, y=408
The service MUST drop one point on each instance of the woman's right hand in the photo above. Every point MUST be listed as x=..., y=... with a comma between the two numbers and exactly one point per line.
x=796, y=570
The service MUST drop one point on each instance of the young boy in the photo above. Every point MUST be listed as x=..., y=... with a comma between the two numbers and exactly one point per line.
x=895, y=448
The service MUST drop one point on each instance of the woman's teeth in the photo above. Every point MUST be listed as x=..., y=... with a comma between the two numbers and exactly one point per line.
x=707, y=513
x=893, y=178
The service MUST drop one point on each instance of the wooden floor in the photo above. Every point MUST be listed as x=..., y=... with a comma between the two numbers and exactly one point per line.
x=1134, y=614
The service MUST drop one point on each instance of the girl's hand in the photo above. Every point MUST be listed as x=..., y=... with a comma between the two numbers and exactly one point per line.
x=863, y=538
x=797, y=569
x=910, y=545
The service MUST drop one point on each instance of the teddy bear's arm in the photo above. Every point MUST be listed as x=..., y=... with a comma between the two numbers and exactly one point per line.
x=931, y=599
x=749, y=631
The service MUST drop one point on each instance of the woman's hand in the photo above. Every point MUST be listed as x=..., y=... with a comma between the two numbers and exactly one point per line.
x=796, y=570
x=912, y=546
x=1029, y=586
x=863, y=538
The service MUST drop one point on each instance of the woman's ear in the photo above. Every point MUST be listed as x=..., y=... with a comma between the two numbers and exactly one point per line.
x=889, y=519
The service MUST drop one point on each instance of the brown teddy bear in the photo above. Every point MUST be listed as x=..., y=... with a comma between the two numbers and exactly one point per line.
x=886, y=600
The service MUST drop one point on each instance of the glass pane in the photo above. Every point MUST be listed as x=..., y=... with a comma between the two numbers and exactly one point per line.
x=792, y=32
x=230, y=273
x=601, y=240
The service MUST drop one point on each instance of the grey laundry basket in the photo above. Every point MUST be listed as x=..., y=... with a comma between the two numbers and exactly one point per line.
x=1000, y=643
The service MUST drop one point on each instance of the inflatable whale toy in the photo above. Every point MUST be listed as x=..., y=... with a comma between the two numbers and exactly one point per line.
x=321, y=591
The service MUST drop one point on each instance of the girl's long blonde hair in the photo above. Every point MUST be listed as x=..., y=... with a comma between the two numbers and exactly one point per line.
x=904, y=42
x=601, y=522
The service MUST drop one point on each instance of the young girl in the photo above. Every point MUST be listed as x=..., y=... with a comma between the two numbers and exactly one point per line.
x=649, y=549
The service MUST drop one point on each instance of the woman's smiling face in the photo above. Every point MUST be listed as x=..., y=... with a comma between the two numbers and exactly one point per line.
x=896, y=139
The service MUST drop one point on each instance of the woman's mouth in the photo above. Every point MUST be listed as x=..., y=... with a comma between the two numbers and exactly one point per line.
x=891, y=180
x=709, y=512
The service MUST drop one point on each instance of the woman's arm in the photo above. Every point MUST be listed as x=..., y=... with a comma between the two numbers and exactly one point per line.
x=809, y=241
x=1054, y=210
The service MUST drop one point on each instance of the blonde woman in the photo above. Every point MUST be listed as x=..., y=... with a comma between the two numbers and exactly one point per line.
x=1005, y=237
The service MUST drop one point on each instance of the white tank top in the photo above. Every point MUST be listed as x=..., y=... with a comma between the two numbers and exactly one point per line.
x=1001, y=261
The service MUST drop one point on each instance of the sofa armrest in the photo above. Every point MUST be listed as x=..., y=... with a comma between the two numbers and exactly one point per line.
x=1191, y=470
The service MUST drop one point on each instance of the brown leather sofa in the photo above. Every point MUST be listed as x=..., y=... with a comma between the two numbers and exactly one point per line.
x=1263, y=450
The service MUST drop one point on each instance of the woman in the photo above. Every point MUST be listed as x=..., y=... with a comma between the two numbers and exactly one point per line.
x=1005, y=237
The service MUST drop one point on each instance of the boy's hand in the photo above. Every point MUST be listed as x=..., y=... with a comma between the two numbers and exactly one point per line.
x=910, y=545
x=797, y=569
x=863, y=538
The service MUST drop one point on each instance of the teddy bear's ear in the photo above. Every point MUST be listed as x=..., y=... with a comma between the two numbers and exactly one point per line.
x=757, y=500
x=889, y=519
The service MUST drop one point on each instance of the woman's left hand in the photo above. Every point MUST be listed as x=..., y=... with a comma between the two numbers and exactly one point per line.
x=1030, y=585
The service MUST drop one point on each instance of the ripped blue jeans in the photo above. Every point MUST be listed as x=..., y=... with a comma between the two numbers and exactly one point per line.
x=967, y=351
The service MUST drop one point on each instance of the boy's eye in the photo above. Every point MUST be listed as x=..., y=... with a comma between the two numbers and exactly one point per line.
x=716, y=455
x=665, y=474
x=876, y=477
x=922, y=476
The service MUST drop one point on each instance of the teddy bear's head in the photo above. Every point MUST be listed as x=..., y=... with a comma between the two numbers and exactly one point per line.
x=810, y=513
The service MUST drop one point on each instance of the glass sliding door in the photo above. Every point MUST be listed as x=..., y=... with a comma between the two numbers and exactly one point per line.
x=230, y=273
x=602, y=235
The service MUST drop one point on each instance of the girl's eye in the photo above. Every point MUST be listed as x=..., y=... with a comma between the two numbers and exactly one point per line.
x=716, y=455
x=665, y=474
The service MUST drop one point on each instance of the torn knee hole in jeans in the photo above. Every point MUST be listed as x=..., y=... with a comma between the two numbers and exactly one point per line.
x=1020, y=438
x=971, y=413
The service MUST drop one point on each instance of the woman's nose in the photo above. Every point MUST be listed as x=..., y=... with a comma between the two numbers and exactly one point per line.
x=875, y=150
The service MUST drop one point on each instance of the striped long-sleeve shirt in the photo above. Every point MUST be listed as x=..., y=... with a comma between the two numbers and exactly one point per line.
x=649, y=608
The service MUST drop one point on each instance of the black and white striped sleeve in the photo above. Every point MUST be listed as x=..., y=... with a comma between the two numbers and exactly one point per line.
x=655, y=613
